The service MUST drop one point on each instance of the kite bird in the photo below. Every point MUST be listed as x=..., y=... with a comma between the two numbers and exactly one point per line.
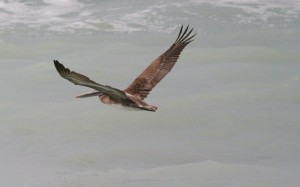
x=133, y=96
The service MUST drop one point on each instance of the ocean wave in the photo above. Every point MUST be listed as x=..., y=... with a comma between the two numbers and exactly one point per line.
x=69, y=16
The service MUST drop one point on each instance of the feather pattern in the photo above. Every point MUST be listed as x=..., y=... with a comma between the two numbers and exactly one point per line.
x=161, y=66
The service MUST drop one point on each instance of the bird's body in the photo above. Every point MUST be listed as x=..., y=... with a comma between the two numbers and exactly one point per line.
x=137, y=103
x=133, y=96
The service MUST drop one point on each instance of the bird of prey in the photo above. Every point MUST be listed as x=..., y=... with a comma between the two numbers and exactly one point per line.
x=134, y=95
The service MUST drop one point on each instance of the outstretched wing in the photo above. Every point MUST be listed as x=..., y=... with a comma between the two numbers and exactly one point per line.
x=160, y=67
x=82, y=80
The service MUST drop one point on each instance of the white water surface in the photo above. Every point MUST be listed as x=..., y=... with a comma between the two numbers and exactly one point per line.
x=228, y=113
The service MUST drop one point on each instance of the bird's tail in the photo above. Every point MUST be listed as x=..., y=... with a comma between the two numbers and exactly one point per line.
x=90, y=94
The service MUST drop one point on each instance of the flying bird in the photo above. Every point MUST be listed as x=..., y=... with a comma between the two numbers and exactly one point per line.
x=134, y=95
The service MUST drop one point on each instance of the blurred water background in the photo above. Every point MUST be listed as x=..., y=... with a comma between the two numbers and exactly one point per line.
x=228, y=113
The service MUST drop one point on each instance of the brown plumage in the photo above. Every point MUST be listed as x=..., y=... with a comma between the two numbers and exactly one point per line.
x=133, y=96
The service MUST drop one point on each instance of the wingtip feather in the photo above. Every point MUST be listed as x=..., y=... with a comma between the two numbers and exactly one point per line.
x=61, y=68
x=184, y=36
x=179, y=33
